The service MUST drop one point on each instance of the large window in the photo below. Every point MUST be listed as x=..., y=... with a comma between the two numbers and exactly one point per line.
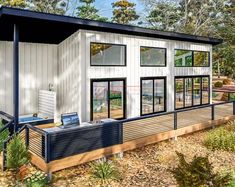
x=191, y=91
x=153, y=95
x=108, y=54
x=150, y=56
x=108, y=99
x=186, y=58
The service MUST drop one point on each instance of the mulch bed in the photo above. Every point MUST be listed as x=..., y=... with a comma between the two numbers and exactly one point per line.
x=147, y=166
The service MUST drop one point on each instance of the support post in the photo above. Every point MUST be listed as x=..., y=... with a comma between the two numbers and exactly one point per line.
x=229, y=96
x=16, y=76
x=175, y=121
x=212, y=112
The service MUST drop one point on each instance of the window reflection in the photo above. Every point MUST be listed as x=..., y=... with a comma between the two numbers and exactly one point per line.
x=108, y=54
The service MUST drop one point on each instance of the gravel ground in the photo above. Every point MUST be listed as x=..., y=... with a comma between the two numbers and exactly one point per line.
x=147, y=166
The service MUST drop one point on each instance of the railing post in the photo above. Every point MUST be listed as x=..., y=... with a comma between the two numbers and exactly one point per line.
x=233, y=107
x=212, y=112
x=47, y=148
x=229, y=97
x=175, y=121
x=4, y=155
x=26, y=136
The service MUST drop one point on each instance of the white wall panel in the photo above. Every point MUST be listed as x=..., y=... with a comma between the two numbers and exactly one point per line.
x=37, y=64
x=68, y=75
x=133, y=72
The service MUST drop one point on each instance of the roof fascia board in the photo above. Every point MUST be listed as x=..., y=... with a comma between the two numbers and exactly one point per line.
x=105, y=25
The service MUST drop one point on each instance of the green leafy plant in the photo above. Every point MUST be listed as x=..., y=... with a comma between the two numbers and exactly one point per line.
x=104, y=171
x=198, y=173
x=218, y=84
x=17, y=153
x=35, y=179
x=3, y=135
x=220, y=138
x=232, y=183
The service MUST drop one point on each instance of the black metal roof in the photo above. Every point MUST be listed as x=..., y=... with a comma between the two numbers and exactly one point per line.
x=51, y=28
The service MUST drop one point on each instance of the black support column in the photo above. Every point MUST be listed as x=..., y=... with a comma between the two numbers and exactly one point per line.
x=16, y=76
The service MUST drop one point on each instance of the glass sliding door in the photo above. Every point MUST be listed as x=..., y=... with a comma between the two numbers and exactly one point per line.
x=116, y=99
x=191, y=91
x=153, y=99
x=179, y=95
x=159, y=95
x=100, y=100
x=188, y=92
x=196, y=91
x=107, y=99
x=205, y=90
x=147, y=96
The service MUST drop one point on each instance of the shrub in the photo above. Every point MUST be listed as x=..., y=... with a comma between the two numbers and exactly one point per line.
x=17, y=153
x=3, y=136
x=220, y=138
x=227, y=81
x=104, y=171
x=218, y=84
x=36, y=179
x=198, y=173
x=232, y=183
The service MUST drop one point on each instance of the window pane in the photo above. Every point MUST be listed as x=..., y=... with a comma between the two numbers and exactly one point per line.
x=201, y=58
x=179, y=84
x=147, y=96
x=196, y=91
x=116, y=99
x=100, y=100
x=188, y=92
x=183, y=58
x=152, y=56
x=107, y=54
x=205, y=90
x=159, y=95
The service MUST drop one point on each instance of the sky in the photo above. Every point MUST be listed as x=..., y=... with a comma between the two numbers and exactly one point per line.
x=105, y=7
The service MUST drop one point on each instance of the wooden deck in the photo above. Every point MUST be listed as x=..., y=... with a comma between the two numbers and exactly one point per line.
x=142, y=132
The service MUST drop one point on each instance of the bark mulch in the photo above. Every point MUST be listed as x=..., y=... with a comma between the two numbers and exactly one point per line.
x=146, y=167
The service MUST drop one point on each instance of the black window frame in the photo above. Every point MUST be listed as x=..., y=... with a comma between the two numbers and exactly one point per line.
x=108, y=80
x=193, y=66
x=125, y=56
x=165, y=65
x=192, y=77
x=165, y=94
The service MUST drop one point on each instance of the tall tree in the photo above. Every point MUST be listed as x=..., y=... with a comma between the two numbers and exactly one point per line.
x=50, y=6
x=200, y=17
x=224, y=54
x=14, y=3
x=124, y=12
x=164, y=16
x=88, y=11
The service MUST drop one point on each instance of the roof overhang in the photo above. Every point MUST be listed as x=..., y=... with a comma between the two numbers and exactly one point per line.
x=50, y=28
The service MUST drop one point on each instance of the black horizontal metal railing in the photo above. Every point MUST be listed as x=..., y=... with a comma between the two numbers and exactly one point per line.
x=176, y=112
x=37, y=141
x=226, y=95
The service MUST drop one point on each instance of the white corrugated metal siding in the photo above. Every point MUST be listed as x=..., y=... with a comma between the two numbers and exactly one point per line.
x=38, y=68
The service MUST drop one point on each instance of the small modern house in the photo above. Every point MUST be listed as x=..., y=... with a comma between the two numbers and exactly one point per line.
x=146, y=81
x=101, y=70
